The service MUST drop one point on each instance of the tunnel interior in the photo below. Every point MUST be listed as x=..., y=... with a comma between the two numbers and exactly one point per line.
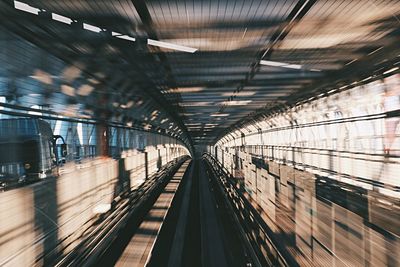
x=293, y=105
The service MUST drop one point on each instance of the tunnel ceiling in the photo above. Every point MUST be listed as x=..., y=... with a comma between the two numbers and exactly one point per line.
x=250, y=55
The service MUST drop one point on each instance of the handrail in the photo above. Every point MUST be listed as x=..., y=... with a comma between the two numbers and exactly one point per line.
x=316, y=169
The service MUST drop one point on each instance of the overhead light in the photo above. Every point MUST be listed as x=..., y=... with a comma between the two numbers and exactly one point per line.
x=126, y=37
x=366, y=79
x=129, y=104
x=195, y=104
x=242, y=93
x=348, y=63
x=91, y=28
x=219, y=115
x=185, y=90
x=292, y=66
x=123, y=36
x=376, y=50
x=391, y=70
x=61, y=18
x=272, y=63
x=237, y=102
x=171, y=46
x=279, y=64
x=25, y=7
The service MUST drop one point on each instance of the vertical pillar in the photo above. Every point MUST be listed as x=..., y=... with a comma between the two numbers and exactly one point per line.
x=146, y=164
x=102, y=140
x=119, y=143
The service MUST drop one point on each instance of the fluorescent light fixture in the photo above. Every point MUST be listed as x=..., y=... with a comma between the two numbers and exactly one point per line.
x=237, y=102
x=272, y=63
x=195, y=104
x=129, y=104
x=93, y=81
x=185, y=90
x=242, y=93
x=279, y=64
x=91, y=28
x=220, y=115
x=366, y=79
x=126, y=37
x=293, y=66
x=348, y=63
x=376, y=50
x=315, y=70
x=391, y=70
x=171, y=46
x=25, y=7
x=123, y=36
x=188, y=114
x=61, y=18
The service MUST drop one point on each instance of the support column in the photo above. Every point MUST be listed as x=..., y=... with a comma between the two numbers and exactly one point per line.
x=102, y=141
